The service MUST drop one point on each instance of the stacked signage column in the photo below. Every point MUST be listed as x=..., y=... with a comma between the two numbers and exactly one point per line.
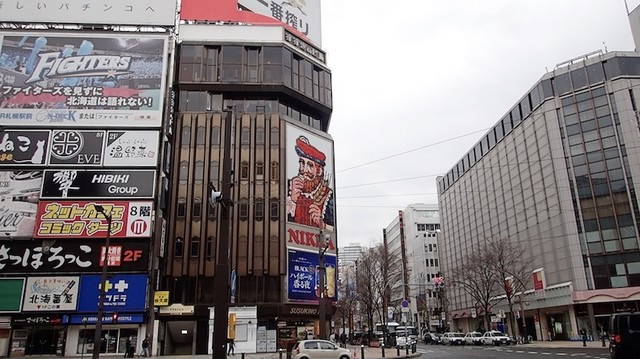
x=81, y=118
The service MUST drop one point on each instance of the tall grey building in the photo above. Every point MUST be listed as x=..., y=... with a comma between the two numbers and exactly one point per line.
x=556, y=175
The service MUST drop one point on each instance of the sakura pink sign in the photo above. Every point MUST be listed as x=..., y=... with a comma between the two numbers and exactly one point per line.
x=80, y=219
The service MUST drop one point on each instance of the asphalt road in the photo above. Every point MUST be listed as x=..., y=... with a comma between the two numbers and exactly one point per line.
x=511, y=352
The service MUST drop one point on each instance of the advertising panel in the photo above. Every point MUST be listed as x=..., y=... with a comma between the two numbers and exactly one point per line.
x=301, y=15
x=132, y=148
x=310, y=179
x=106, y=319
x=80, y=219
x=98, y=184
x=70, y=147
x=50, y=294
x=115, y=12
x=11, y=298
x=71, y=80
x=303, y=276
x=70, y=255
x=19, y=194
x=124, y=293
x=20, y=148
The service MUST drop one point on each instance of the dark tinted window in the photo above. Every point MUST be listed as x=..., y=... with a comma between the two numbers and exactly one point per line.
x=563, y=83
x=579, y=78
x=595, y=73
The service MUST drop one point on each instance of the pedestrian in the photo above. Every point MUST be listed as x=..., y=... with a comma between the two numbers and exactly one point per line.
x=332, y=337
x=583, y=333
x=343, y=339
x=127, y=347
x=145, y=347
x=232, y=347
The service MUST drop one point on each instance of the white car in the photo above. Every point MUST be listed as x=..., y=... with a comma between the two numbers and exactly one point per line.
x=473, y=338
x=453, y=338
x=401, y=342
x=319, y=349
x=496, y=338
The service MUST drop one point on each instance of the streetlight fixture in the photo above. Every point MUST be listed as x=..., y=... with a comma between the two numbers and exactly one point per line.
x=97, y=339
x=323, y=245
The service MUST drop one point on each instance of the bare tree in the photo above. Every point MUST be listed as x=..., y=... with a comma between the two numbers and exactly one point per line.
x=512, y=267
x=477, y=277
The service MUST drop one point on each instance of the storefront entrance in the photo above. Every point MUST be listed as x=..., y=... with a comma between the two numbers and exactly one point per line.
x=43, y=341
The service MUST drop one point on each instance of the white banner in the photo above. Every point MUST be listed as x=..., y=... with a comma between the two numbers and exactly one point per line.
x=43, y=294
x=132, y=148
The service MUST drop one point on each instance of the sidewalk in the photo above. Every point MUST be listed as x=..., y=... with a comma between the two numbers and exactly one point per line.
x=564, y=344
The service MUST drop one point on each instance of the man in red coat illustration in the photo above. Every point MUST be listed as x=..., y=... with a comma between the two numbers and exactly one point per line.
x=310, y=198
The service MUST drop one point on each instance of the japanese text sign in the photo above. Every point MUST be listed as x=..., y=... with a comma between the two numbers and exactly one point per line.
x=303, y=277
x=50, y=294
x=123, y=293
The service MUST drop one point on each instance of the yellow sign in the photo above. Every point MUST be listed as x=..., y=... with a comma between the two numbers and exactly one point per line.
x=161, y=298
x=232, y=325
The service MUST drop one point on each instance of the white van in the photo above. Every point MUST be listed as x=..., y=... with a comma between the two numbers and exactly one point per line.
x=409, y=330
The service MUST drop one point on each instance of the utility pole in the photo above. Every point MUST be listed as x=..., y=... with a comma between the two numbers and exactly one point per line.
x=97, y=339
x=222, y=273
x=323, y=245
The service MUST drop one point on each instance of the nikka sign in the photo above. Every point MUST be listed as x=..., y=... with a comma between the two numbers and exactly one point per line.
x=303, y=237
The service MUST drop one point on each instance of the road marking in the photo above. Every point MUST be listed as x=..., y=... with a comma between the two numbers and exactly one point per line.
x=545, y=353
x=561, y=354
x=532, y=352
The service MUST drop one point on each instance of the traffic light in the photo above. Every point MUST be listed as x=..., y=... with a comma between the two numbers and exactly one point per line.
x=114, y=317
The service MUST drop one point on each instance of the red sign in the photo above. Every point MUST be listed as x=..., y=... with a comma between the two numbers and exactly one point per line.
x=538, y=279
x=80, y=219
x=308, y=239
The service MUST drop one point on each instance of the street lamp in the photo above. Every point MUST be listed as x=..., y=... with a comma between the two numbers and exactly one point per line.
x=323, y=245
x=97, y=339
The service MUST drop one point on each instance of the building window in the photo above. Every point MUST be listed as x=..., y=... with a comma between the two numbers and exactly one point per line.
x=259, y=170
x=186, y=136
x=200, y=136
x=259, y=210
x=195, y=247
x=272, y=64
x=199, y=173
x=260, y=136
x=244, y=170
x=243, y=210
x=197, y=208
x=211, y=64
x=274, y=209
x=275, y=171
x=245, y=136
x=252, y=64
x=184, y=171
x=190, y=63
x=231, y=63
x=182, y=208
x=275, y=137
x=214, y=170
x=215, y=136
x=178, y=248
x=209, y=248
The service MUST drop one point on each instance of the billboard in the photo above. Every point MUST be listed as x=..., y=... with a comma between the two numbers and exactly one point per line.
x=71, y=147
x=71, y=255
x=23, y=148
x=80, y=219
x=310, y=179
x=50, y=294
x=115, y=12
x=132, y=149
x=71, y=80
x=303, y=16
x=11, y=298
x=19, y=194
x=303, y=279
x=124, y=293
x=98, y=184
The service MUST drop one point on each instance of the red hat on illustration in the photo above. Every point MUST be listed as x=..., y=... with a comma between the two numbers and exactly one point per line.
x=304, y=149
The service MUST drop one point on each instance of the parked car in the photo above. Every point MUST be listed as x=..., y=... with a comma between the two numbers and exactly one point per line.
x=496, y=338
x=429, y=338
x=473, y=338
x=402, y=342
x=318, y=349
x=453, y=338
x=624, y=335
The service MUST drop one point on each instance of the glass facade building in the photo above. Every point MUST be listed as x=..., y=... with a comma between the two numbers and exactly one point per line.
x=557, y=175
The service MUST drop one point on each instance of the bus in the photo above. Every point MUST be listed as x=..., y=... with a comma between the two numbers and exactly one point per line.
x=391, y=328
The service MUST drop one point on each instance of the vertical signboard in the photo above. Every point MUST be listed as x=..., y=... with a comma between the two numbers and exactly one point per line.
x=19, y=194
x=70, y=80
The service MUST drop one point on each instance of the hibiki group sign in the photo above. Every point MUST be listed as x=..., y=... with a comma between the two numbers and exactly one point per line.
x=70, y=80
x=124, y=292
x=98, y=184
x=80, y=219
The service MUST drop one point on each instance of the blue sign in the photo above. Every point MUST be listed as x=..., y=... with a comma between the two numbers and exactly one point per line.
x=124, y=293
x=107, y=319
x=303, y=280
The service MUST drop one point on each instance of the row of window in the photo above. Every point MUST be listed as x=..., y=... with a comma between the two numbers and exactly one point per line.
x=243, y=209
x=204, y=101
x=255, y=64
x=574, y=80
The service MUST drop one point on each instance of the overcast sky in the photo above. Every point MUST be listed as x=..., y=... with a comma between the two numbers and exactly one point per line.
x=416, y=83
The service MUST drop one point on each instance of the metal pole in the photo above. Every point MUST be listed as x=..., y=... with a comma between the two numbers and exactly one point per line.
x=221, y=276
x=97, y=339
x=322, y=310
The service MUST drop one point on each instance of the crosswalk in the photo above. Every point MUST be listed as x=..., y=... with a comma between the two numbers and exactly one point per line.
x=539, y=352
